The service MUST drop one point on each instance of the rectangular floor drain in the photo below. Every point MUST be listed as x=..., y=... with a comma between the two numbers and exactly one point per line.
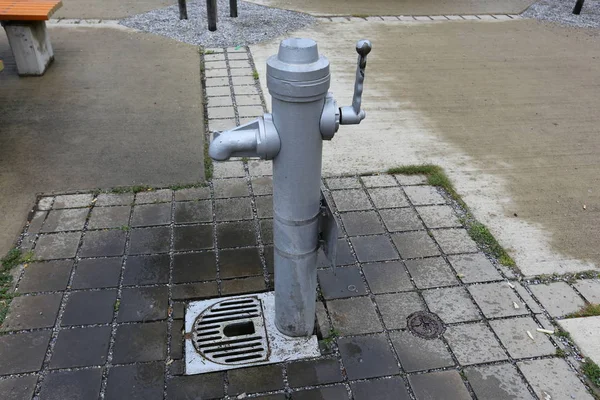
x=239, y=331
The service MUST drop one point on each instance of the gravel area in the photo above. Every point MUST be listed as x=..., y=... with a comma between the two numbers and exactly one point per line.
x=254, y=24
x=561, y=11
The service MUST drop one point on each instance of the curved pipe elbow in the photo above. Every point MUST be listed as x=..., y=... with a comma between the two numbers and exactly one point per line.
x=229, y=143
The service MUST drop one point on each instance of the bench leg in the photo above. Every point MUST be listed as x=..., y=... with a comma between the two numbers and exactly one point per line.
x=30, y=45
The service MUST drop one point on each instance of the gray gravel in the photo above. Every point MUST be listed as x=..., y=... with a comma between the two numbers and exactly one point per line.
x=254, y=24
x=561, y=11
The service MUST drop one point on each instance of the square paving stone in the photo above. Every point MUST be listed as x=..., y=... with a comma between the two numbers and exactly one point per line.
x=233, y=209
x=244, y=285
x=35, y=223
x=143, y=304
x=103, y=243
x=18, y=387
x=85, y=308
x=354, y=316
x=379, y=181
x=177, y=340
x=367, y=357
x=424, y=195
x=373, y=248
x=46, y=276
x=205, y=386
x=136, y=382
x=362, y=223
x=343, y=183
x=45, y=203
x=146, y=270
x=109, y=217
x=513, y=335
x=188, y=291
x=231, y=187
x=72, y=201
x=255, y=379
x=497, y=300
x=140, y=342
x=454, y=241
x=154, y=196
x=451, y=304
x=337, y=392
x=497, y=382
x=417, y=354
x=72, y=385
x=194, y=267
x=262, y=185
x=351, y=200
x=472, y=268
x=151, y=214
x=442, y=385
x=260, y=168
x=230, y=169
x=553, y=379
x=193, y=237
x=23, y=352
x=474, y=344
x=97, y=273
x=246, y=100
x=381, y=389
x=236, y=234
x=65, y=220
x=237, y=263
x=150, y=240
x=314, y=372
x=114, y=199
x=401, y=219
x=59, y=245
x=387, y=277
x=266, y=231
x=590, y=289
x=431, y=272
x=415, y=244
x=391, y=197
x=439, y=217
x=396, y=307
x=524, y=294
x=264, y=206
x=557, y=298
x=192, y=194
x=343, y=256
x=29, y=312
x=339, y=283
x=190, y=212
x=81, y=347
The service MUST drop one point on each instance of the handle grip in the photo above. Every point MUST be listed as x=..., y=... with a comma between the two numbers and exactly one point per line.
x=353, y=115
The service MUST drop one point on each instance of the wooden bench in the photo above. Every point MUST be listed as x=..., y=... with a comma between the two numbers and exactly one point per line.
x=25, y=24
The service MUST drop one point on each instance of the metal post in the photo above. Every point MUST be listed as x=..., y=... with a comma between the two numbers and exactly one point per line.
x=182, y=9
x=233, y=8
x=211, y=13
x=578, y=7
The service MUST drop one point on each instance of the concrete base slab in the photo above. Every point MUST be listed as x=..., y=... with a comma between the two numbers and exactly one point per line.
x=584, y=332
x=30, y=45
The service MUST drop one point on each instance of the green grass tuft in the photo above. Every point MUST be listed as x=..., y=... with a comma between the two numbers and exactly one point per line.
x=561, y=353
x=589, y=310
x=482, y=235
x=13, y=258
x=592, y=371
x=180, y=186
x=255, y=75
x=208, y=163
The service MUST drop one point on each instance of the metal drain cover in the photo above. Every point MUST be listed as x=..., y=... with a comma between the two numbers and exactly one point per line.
x=425, y=324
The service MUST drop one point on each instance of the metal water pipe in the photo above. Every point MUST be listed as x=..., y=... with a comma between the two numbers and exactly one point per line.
x=304, y=114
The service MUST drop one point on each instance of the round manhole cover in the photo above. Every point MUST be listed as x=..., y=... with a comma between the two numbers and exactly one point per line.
x=425, y=324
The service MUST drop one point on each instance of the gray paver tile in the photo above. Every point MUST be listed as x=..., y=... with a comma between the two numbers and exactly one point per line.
x=497, y=300
x=431, y=272
x=23, y=352
x=250, y=111
x=367, y=356
x=18, y=387
x=323, y=325
x=242, y=80
x=439, y=217
x=198, y=193
x=59, y=245
x=553, y=379
x=143, y=304
x=189, y=291
x=214, y=57
x=557, y=298
x=193, y=267
x=424, y=195
x=381, y=389
x=379, y=181
x=235, y=263
x=84, y=308
x=65, y=220
x=407, y=180
x=140, y=342
x=341, y=283
x=109, y=217
x=314, y=372
x=103, y=243
x=255, y=379
x=454, y=241
x=415, y=244
x=97, y=273
x=72, y=201
x=236, y=234
x=401, y=219
x=266, y=231
x=451, y=304
x=233, y=209
x=395, y=308
x=249, y=89
x=337, y=392
x=590, y=289
x=205, y=386
x=218, y=81
x=390, y=197
x=373, y=248
x=387, y=277
x=220, y=101
x=474, y=344
x=513, y=335
x=442, y=385
x=136, y=382
x=177, y=339
x=46, y=276
x=146, y=270
x=154, y=196
x=354, y=316
x=114, y=199
x=29, y=312
x=45, y=203
x=343, y=183
x=351, y=200
x=362, y=223
x=218, y=91
x=584, y=332
x=497, y=382
x=472, y=268
x=262, y=185
x=260, y=168
x=63, y=385
x=192, y=237
x=151, y=214
x=524, y=294
x=247, y=100
x=229, y=169
x=264, y=206
x=81, y=347
x=230, y=187
x=190, y=212
x=244, y=285
x=35, y=223
x=417, y=354
x=343, y=257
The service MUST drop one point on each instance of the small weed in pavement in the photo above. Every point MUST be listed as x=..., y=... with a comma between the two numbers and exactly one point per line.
x=132, y=189
x=208, y=164
x=255, y=75
x=13, y=258
x=561, y=353
x=589, y=310
x=592, y=371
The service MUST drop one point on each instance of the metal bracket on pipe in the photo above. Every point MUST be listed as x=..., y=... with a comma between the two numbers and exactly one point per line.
x=328, y=231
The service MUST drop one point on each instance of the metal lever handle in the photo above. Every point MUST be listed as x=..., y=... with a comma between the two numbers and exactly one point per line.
x=353, y=115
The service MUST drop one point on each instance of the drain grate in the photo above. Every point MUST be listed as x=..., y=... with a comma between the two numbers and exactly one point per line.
x=425, y=324
x=232, y=332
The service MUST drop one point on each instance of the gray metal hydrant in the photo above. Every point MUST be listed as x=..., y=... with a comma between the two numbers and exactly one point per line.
x=303, y=115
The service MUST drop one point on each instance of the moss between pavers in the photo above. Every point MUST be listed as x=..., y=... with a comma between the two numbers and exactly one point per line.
x=478, y=232
x=146, y=188
x=13, y=258
x=589, y=310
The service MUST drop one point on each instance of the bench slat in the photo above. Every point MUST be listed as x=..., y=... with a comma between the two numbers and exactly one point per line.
x=28, y=10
